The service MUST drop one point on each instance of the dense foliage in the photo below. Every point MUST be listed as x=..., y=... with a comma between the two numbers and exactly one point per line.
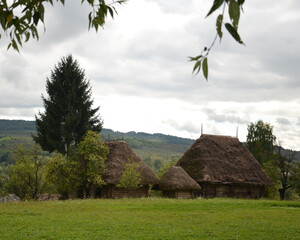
x=279, y=165
x=261, y=141
x=26, y=178
x=20, y=18
x=68, y=109
x=131, y=176
x=78, y=174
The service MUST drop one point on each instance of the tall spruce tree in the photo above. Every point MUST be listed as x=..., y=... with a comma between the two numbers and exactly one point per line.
x=68, y=109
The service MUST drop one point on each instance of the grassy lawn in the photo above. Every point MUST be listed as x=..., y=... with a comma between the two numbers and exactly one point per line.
x=151, y=218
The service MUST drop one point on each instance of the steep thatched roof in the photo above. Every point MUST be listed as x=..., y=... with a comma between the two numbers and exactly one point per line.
x=177, y=179
x=119, y=154
x=222, y=159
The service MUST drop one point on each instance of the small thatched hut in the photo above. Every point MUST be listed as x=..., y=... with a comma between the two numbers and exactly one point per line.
x=176, y=183
x=224, y=168
x=119, y=154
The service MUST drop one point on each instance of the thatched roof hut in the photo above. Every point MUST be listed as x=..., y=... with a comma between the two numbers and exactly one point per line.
x=176, y=183
x=222, y=160
x=177, y=179
x=119, y=154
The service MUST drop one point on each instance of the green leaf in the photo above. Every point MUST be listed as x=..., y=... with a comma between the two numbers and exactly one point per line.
x=19, y=39
x=110, y=11
x=90, y=19
x=234, y=13
x=27, y=36
x=205, y=68
x=241, y=2
x=233, y=33
x=41, y=11
x=8, y=47
x=219, y=25
x=103, y=7
x=195, y=58
x=215, y=6
x=36, y=18
x=14, y=45
x=9, y=17
x=91, y=2
x=197, y=65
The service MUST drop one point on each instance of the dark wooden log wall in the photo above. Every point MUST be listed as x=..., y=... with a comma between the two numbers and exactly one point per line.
x=231, y=190
x=183, y=194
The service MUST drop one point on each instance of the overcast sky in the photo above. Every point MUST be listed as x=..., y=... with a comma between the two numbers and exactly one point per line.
x=140, y=75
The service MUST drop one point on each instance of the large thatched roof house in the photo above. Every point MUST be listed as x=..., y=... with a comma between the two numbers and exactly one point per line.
x=224, y=167
x=176, y=183
x=119, y=154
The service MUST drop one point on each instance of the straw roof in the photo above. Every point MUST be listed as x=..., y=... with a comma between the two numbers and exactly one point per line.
x=119, y=154
x=177, y=179
x=222, y=159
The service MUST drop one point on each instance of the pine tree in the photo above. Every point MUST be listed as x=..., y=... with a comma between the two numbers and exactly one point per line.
x=68, y=109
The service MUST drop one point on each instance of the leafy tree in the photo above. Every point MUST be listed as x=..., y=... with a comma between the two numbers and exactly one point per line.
x=273, y=172
x=295, y=178
x=68, y=109
x=60, y=175
x=282, y=169
x=3, y=179
x=20, y=18
x=80, y=172
x=285, y=165
x=131, y=176
x=91, y=156
x=260, y=141
x=26, y=177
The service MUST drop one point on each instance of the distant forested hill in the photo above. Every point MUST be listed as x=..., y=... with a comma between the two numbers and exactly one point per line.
x=155, y=149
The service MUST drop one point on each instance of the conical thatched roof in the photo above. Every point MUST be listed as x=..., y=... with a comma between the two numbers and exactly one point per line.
x=119, y=154
x=177, y=179
x=222, y=159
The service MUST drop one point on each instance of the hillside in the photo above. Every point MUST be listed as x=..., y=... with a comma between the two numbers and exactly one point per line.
x=155, y=149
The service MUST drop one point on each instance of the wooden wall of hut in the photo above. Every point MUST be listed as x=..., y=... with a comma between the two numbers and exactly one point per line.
x=183, y=194
x=111, y=191
x=231, y=190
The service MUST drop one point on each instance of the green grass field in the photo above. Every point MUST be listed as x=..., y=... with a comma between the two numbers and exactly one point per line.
x=152, y=218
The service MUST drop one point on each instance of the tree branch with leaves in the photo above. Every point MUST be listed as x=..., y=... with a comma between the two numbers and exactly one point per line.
x=20, y=19
x=234, y=9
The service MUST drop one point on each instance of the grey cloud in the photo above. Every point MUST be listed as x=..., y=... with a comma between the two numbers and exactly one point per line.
x=283, y=121
x=66, y=21
x=179, y=6
x=17, y=113
x=20, y=86
x=230, y=116
x=186, y=126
